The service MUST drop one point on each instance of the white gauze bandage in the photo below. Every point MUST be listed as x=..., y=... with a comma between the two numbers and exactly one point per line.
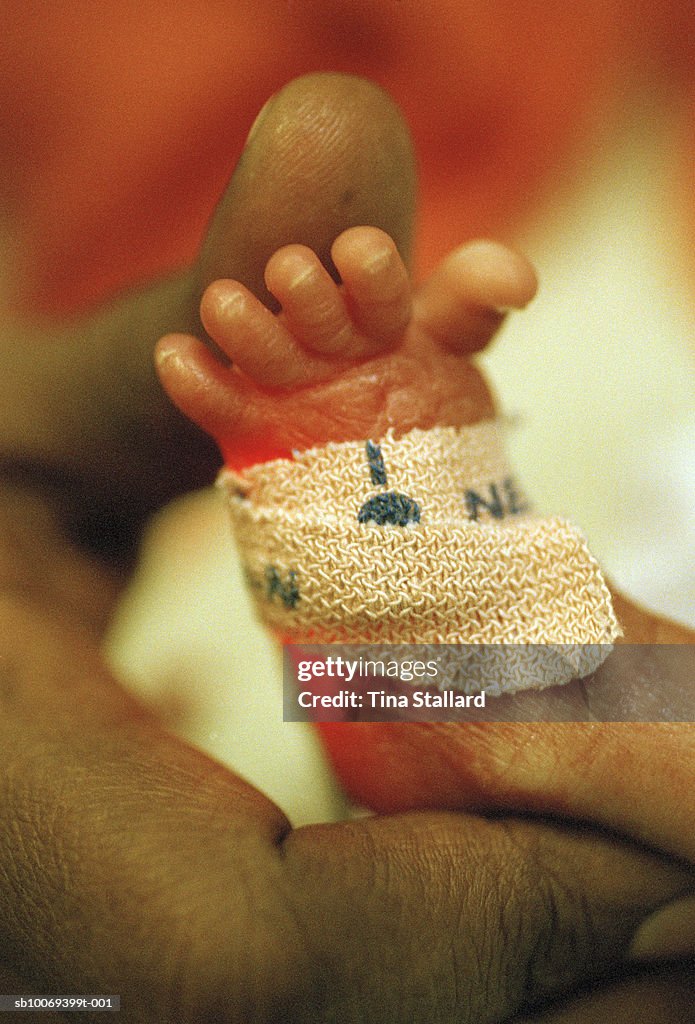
x=423, y=539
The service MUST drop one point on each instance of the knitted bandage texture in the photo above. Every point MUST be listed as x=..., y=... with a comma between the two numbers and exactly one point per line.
x=419, y=539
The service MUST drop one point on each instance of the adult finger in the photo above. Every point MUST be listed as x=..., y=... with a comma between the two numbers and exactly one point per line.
x=132, y=864
x=82, y=411
x=661, y=996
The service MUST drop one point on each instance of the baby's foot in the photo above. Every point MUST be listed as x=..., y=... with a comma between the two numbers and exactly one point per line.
x=349, y=363
x=369, y=361
x=343, y=362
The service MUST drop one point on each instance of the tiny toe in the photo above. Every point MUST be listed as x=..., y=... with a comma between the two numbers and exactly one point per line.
x=198, y=384
x=254, y=338
x=376, y=283
x=312, y=304
x=465, y=301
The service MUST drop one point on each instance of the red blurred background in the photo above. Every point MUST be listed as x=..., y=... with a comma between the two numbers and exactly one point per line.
x=122, y=122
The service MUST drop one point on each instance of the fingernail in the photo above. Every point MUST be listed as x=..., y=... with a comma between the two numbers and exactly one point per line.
x=668, y=934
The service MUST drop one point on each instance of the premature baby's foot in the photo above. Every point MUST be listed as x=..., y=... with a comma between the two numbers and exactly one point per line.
x=343, y=362
x=371, y=362
x=349, y=362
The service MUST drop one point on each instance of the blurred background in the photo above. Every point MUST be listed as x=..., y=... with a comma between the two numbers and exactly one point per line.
x=564, y=129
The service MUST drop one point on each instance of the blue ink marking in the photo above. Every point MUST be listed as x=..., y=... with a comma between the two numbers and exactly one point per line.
x=287, y=590
x=516, y=502
x=376, y=464
x=392, y=508
x=510, y=503
x=475, y=502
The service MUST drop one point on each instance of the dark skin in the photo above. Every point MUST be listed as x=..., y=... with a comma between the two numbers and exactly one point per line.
x=132, y=863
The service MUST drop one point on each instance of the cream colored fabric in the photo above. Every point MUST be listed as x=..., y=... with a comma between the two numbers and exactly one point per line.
x=475, y=569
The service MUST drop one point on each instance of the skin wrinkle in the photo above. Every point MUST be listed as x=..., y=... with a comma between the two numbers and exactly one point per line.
x=152, y=871
x=488, y=955
x=431, y=960
x=590, y=942
x=327, y=977
x=552, y=966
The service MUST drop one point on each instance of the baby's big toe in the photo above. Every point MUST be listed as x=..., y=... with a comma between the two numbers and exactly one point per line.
x=464, y=302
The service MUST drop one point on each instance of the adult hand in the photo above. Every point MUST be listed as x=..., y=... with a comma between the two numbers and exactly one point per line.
x=131, y=863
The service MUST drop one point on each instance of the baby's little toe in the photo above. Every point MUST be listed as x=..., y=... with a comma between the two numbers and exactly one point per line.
x=198, y=383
